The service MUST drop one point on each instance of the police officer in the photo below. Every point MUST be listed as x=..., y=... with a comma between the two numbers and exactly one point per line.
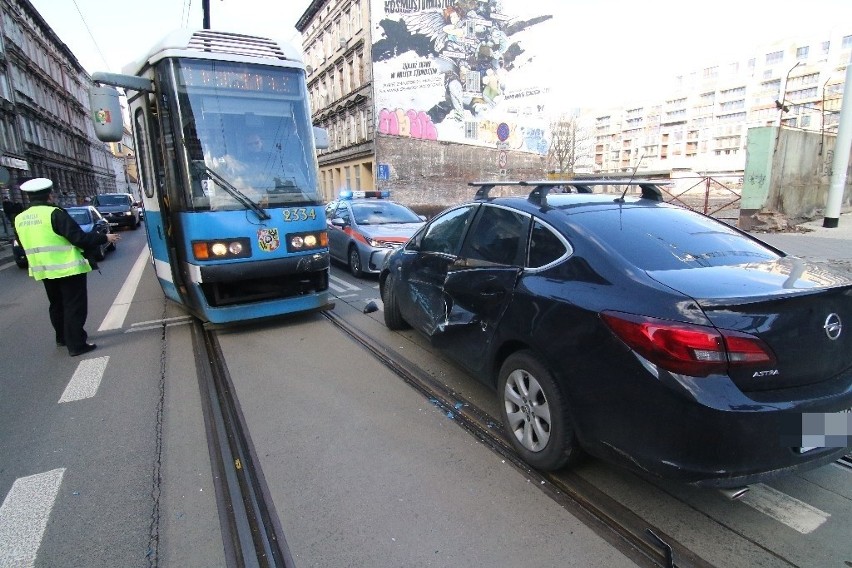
x=53, y=241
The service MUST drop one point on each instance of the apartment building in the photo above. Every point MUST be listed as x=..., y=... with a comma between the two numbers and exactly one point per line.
x=45, y=129
x=702, y=125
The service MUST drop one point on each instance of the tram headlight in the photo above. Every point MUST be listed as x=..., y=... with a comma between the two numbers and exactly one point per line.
x=221, y=249
x=299, y=242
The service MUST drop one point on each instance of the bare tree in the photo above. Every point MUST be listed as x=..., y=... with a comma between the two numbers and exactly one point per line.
x=570, y=146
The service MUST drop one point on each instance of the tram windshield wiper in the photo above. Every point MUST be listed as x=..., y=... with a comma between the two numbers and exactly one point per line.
x=244, y=199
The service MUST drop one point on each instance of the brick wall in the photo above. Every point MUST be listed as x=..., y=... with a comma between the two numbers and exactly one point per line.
x=425, y=174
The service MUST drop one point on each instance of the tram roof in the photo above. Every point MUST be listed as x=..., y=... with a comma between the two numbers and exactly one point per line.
x=222, y=46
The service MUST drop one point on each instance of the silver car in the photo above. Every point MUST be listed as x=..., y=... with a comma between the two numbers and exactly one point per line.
x=363, y=227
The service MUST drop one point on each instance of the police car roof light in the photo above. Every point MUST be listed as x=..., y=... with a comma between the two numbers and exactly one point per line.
x=349, y=194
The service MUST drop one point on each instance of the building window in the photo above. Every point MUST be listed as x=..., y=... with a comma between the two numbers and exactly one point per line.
x=471, y=130
x=826, y=45
x=802, y=53
x=847, y=42
x=774, y=57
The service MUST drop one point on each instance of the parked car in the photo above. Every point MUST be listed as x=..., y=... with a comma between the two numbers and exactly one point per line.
x=363, y=227
x=640, y=332
x=118, y=208
x=89, y=220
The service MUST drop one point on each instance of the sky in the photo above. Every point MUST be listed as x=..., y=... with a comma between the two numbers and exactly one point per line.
x=597, y=50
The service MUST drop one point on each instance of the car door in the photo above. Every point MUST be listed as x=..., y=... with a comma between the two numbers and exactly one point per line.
x=337, y=237
x=425, y=265
x=479, y=285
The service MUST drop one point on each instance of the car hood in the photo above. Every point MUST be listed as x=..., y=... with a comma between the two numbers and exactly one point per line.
x=801, y=310
x=392, y=232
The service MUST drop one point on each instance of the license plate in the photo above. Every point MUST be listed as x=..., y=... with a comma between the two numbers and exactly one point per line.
x=113, y=224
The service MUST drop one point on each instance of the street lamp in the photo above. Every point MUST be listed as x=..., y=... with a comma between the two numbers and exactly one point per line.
x=782, y=108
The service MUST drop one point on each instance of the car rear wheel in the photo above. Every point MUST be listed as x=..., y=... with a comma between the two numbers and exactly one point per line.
x=355, y=262
x=535, y=413
x=393, y=319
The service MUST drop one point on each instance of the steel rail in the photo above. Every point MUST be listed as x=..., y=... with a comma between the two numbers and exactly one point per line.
x=642, y=542
x=251, y=531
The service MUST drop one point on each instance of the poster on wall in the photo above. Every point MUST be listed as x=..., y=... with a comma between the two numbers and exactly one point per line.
x=458, y=71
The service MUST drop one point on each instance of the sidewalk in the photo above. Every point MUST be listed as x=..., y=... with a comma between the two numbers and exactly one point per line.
x=815, y=242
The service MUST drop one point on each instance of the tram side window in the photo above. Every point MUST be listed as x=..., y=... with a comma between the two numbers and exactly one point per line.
x=142, y=152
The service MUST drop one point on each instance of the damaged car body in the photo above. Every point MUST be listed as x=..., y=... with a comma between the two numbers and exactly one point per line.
x=633, y=330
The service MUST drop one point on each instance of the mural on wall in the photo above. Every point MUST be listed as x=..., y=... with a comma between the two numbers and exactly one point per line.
x=450, y=70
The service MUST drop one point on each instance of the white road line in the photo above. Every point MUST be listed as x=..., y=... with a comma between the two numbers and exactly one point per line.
x=118, y=311
x=86, y=380
x=795, y=514
x=167, y=321
x=7, y=265
x=341, y=284
x=24, y=515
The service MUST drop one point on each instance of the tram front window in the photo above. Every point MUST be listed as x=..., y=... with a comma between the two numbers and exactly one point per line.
x=247, y=135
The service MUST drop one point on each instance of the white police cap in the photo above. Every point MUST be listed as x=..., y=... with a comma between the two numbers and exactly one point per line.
x=37, y=184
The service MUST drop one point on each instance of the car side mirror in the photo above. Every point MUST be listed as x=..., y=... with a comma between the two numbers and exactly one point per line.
x=338, y=222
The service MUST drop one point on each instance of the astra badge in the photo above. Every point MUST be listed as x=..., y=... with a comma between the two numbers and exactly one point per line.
x=833, y=326
x=268, y=240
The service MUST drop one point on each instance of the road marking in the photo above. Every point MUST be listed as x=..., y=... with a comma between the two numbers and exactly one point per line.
x=120, y=306
x=341, y=284
x=158, y=324
x=24, y=515
x=86, y=380
x=795, y=514
x=7, y=265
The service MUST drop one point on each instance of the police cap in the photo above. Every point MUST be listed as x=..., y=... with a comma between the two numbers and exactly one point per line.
x=36, y=185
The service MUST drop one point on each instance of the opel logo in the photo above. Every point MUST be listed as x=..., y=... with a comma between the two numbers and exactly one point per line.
x=832, y=326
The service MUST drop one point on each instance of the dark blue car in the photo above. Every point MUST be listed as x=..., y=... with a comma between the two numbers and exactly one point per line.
x=640, y=332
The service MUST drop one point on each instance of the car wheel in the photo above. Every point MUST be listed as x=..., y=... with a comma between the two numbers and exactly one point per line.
x=111, y=246
x=393, y=319
x=355, y=262
x=22, y=263
x=535, y=414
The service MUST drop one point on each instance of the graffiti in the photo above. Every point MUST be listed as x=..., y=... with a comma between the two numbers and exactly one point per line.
x=452, y=59
x=757, y=179
x=410, y=123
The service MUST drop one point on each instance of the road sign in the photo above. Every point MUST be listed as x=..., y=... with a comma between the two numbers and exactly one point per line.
x=502, y=159
x=502, y=132
x=384, y=172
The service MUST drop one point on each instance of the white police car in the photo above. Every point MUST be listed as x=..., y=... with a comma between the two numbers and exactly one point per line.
x=364, y=226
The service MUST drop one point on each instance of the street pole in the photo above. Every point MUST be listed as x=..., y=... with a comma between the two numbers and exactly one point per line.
x=842, y=147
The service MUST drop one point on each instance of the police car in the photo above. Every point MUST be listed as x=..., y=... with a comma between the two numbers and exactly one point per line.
x=364, y=226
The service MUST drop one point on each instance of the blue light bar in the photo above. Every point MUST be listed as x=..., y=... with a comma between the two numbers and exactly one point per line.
x=349, y=194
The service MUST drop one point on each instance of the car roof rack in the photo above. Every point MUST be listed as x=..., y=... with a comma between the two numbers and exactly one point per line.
x=538, y=195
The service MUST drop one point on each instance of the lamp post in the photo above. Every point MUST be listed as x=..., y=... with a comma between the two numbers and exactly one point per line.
x=782, y=108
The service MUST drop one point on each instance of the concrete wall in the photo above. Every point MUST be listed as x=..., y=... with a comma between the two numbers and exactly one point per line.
x=789, y=172
x=433, y=173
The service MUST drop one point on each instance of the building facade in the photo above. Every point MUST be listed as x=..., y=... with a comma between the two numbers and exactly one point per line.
x=702, y=125
x=45, y=130
x=417, y=91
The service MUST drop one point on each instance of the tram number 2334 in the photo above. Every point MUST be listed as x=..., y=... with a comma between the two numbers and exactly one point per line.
x=299, y=214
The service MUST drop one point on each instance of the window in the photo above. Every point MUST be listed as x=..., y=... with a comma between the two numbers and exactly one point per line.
x=847, y=42
x=545, y=246
x=498, y=237
x=826, y=45
x=774, y=57
x=802, y=53
x=444, y=235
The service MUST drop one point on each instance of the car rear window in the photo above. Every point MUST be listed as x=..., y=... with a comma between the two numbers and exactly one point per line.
x=81, y=216
x=669, y=238
x=112, y=200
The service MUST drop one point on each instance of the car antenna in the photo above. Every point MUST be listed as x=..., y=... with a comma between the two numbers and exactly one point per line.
x=631, y=177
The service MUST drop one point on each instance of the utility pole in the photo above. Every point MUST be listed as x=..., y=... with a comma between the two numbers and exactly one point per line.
x=842, y=147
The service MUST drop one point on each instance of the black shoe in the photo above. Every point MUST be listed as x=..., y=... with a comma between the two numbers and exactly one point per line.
x=85, y=349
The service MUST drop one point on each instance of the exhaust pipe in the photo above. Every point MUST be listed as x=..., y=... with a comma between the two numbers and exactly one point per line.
x=733, y=493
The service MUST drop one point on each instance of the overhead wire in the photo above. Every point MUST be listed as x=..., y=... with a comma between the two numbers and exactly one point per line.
x=94, y=41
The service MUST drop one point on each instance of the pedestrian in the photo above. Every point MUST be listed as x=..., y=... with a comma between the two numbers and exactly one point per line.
x=9, y=209
x=54, y=244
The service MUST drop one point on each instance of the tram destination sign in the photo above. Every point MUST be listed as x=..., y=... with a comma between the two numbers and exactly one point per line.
x=241, y=78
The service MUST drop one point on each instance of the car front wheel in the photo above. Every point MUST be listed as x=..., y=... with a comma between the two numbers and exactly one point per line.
x=355, y=262
x=393, y=319
x=535, y=414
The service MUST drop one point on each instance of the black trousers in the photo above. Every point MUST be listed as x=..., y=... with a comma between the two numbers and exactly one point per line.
x=69, y=307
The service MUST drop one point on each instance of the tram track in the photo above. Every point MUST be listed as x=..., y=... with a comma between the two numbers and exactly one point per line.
x=251, y=531
x=642, y=542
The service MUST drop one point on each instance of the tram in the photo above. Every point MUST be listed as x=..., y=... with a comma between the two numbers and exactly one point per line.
x=227, y=166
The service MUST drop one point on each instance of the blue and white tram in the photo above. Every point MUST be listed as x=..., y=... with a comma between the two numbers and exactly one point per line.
x=228, y=167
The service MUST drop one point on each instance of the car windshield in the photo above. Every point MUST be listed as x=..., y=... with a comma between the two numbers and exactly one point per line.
x=383, y=213
x=656, y=238
x=81, y=216
x=112, y=200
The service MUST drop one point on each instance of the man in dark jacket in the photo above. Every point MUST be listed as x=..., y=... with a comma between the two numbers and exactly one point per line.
x=54, y=245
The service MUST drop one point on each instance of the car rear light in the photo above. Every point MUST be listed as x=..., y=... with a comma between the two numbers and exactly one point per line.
x=689, y=349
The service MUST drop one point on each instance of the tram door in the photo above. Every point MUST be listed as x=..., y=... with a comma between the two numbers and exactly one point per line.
x=158, y=213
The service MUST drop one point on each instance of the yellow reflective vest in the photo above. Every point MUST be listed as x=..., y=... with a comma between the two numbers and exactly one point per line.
x=48, y=254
